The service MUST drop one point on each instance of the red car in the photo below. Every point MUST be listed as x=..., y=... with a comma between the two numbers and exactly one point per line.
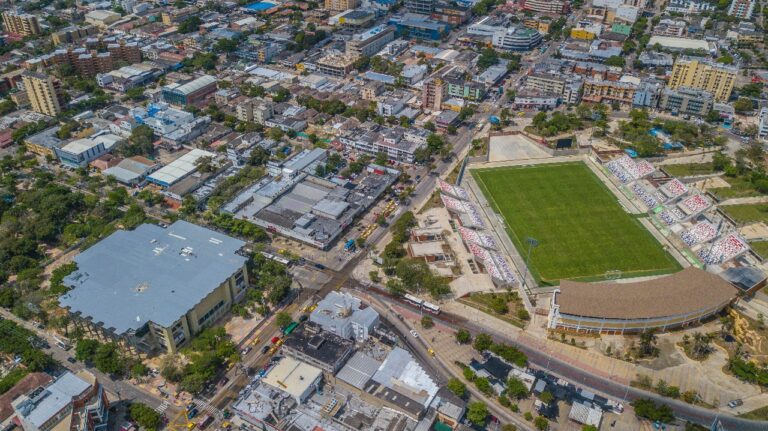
x=274, y=340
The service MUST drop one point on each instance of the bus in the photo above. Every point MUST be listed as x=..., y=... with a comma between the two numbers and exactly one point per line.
x=430, y=307
x=288, y=329
x=413, y=300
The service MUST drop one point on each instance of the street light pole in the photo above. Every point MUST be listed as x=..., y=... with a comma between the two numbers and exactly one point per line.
x=532, y=243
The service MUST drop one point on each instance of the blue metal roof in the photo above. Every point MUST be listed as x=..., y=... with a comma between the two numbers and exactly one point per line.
x=150, y=274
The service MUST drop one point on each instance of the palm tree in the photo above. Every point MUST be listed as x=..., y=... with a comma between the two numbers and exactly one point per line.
x=726, y=326
x=648, y=342
x=701, y=345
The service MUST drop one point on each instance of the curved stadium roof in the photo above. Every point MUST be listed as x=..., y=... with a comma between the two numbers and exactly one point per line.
x=685, y=292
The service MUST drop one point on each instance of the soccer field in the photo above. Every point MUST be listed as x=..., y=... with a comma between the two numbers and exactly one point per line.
x=582, y=230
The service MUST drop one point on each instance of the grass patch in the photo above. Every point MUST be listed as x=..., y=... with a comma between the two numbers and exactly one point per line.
x=760, y=414
x=582, y=230
x=506, y=306
x=689, y=169
x=760, y=247
x=747, y=213
x=740, y=187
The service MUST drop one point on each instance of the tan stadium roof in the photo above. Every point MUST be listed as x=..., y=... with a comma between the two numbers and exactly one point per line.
x=687, y=291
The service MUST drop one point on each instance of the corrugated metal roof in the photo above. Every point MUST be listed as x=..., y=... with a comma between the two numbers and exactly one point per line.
x=150, y=274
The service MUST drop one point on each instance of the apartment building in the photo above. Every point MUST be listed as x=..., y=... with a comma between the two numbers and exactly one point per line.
x=742, y=9
x=176, y=16
x=704, y=74
x=762, y=128
x=599, y=91
x=686, y=101
x=555, y=7
x=337, y=66
x=370, y=42
x=423, y=7
x=341, y=5
x=22, y=24
x=43, y=92
x=255, y=111
x=433, y=93
x=567, y=87
x=128, y=52
x=73, y=34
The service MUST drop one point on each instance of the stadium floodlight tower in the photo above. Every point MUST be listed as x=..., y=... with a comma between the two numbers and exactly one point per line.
x=532, y=243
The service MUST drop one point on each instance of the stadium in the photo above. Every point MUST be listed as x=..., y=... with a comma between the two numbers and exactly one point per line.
x=620, y=245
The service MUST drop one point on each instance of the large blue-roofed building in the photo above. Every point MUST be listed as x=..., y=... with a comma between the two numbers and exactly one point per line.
x=154, y=288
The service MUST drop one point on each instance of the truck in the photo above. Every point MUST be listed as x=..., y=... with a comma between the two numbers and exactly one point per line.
x=349, y=245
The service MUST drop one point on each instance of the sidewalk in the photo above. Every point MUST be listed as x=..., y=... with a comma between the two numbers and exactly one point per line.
x=715, y=388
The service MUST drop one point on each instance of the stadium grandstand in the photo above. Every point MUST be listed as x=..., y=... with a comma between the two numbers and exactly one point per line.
x=482, y=239
x=627, y=169
x=678, y=300
x=453, y=191
x=467, y=213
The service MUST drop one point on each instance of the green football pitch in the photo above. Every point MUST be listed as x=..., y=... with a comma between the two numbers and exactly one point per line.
x=583, y=233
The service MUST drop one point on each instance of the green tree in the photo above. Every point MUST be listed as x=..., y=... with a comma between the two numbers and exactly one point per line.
x=85, y=350
x=457, y=387
x=589, y=428
x=108, y=359
x=463, y=336
x=743, y=105
x=546, y=397
x=482, y=342
x=483, y=385
x=426, y=322
x=648, y=409
x=139, y=370
x=477, y=412
x=541, y=423
x=648, y=343
x=145, y=416
x=516, y=388
x=283, y=319
x=616, y=60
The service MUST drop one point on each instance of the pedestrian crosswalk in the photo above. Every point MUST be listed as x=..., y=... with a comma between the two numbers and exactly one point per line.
x=204, y=406
x=162, y=407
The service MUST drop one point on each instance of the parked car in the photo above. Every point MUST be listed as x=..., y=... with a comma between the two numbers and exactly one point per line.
x=247, y=350
x=735, y=403
x=71, y=360
x=414, y=333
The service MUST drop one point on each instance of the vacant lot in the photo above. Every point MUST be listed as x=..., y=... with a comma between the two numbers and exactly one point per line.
x=581, y=229
x=688, y=169
x=747, y=213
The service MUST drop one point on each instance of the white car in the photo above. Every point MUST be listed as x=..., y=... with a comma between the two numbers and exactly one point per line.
x=414, y=333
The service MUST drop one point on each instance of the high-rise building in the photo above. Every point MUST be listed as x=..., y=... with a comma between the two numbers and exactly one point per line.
x=424, y=7
x=340, y=5
x=21, y=24
x=43, y=93
x=704, y=74
x=742, y=9
x=433, y=93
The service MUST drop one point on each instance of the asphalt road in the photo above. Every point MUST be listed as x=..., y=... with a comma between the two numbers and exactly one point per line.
x=615, y=390
x=438, y=369
x=124, y=390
